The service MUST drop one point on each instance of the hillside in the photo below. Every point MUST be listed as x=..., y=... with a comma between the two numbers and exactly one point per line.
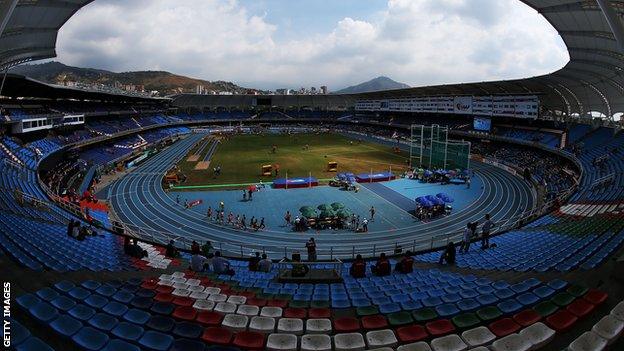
x=376, y=84
x=161, y=81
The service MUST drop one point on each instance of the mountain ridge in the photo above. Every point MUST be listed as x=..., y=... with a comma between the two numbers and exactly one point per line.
x=375, y=84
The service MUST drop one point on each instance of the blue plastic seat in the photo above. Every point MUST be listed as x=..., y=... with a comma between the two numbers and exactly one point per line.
x=90, y=285
x=544, y=291
x=361, y=302
x=528, y=299
x=122, y=296
x=509, y=306
x=33, y=344
x=400, y=298
x=47, y=294
x=106, y=290
x=19, y=333
x=156, y=341
x=487, y=299
x=164, y=308
x=450, y=298
x=64, y=286
x=411, y=305
x=136, y=316
x=161, y=323
x=27, y=301
x=127, y=331
x=432, y=301
x=467, y=305
x=188, y=330
x=63, y=303
x=389, y=307
x=96, y=301
x=504, y=293
x=90, y=338
x=187, y=345
x=145, y=293
x=103, y=321
x=79, y=293
x=120, y=345
x=44, y=312
x=557, y=284
x=447, y=310
x=341, y=304
x=65, y=325
x=115, y=308
x=143, y=303
x=81, y=312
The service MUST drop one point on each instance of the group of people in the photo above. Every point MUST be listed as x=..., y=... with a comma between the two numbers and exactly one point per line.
x=354, y=222
x=450, y=252
x=382, y=267
x=79, y=231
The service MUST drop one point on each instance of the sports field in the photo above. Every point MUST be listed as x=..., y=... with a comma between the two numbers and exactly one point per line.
x=241, y=158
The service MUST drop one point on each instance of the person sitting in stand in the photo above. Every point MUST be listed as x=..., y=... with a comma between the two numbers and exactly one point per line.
x=382, y=267
x=221, y=265
x=206, y=248
x=448, y=255
x=171, y=251
x=298, y=269
x=199, y=263
x=406, y=265
x=358, y=268
x=253, y=262
x=265, y=264
x=194, y=247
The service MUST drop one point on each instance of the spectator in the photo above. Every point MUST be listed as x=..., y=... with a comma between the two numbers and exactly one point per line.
x=365, y=225
x=448, y=255
x=298, y=269
x=221, y=265
x=199, y=263
x=406, y=265
x=265, y=264
x=170, y=250
x=253, y=262
x=485, y=232
x=382, y=267
x=206, y=248
x=311, y=247
x=372, y=213
x=465, y=245
x=76, y=230
x=70, y=228
x=194, y=247
x=358, y=268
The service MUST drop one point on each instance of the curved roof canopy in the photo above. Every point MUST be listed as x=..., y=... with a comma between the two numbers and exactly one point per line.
x=592, y=80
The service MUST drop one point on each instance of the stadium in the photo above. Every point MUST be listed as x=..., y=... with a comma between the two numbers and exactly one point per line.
x=472, y=216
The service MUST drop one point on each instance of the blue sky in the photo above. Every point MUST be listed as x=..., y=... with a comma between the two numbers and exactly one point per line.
x=273, y=44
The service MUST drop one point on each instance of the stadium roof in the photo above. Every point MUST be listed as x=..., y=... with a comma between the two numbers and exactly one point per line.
x=592, y=80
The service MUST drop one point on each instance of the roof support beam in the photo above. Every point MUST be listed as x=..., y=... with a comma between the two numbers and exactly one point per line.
x=614, y=21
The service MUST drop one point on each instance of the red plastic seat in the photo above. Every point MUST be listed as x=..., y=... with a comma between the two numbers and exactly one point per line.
x=183, y=301
x=209, y=318
x=411, y=333
x=247, y=294
x=374, y=322
x=249, y=340
x=527, y=317
x=319, y=313
x=164, y=289
x=346, y=325
x=596, y=297
x=163, y=297
x=561, y=320
x=440, y=327
x=186, y=313
x=291, y=312
x=217, y=335
x=580, y=308
x=504, y=327
x=256, y=302
x=151, y=285
x=277, y=303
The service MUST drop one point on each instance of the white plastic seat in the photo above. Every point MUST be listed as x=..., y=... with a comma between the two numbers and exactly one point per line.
x=180, y=285
x=318, y=326
x=512, y=342
x=282, y=342
x=382, y=349
x=478, y=336
x=165, y=277
x=193, y=282
x=290, y=326
x=349, y=342
x=449, y=343
x=269, y=311
x=538, y=334
x=224, y=307
x=181, y=292
x=217, y=297
x=212, y=290
x=415, y=346
x=196, y=288
x=248, y=310
x=177, y=274
x=381, y=338
x=166, y=282
x=204, y=305
x=235, y=322
x=265, y=325
x=199, y=295
x=316, y=342
x=237, y=300
x=588, y=341
x=609, y=328
x=480, y=348
x=618, y=311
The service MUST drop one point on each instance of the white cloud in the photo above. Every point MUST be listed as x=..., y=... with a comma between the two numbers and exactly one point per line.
x=420, y=42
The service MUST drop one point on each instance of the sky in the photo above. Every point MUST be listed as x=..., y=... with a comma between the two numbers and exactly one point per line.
x=270, y=44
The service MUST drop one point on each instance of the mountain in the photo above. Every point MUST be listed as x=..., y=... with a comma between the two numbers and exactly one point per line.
x=376, y=84
x=163, y=82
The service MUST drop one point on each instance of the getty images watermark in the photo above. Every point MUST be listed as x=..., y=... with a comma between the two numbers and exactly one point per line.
x=6, y=314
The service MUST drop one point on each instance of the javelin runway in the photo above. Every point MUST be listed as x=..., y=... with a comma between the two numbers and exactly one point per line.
x=138, y=199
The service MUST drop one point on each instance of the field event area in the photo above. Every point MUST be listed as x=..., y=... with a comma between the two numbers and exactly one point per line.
x=241, y=157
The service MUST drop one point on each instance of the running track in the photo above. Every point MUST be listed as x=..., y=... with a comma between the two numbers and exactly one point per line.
x=138, y=199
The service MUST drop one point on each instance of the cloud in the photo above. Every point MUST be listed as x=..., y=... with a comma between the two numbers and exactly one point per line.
x=420, y=42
